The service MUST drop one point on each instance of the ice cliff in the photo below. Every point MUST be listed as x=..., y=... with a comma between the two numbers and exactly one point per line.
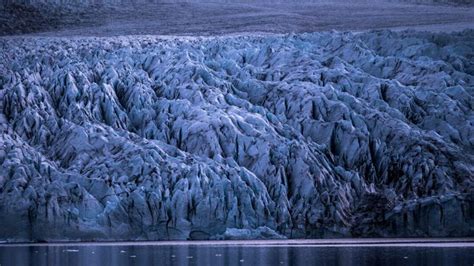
x=308, y=135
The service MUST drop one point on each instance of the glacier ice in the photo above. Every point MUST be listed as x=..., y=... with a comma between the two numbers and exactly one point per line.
x=298, y=135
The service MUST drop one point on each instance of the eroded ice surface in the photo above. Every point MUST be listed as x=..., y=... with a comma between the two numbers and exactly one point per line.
x=309, y=135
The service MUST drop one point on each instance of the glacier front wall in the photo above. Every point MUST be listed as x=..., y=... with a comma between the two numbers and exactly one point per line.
x=308, y=135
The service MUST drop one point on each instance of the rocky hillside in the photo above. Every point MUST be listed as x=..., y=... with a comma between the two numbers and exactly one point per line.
x=307, y=135
x=211, y=19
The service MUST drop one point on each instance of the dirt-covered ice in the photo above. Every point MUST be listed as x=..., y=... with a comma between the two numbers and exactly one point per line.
x=297, y=135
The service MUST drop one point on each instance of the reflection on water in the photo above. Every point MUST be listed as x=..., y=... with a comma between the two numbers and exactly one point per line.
x=232, y=255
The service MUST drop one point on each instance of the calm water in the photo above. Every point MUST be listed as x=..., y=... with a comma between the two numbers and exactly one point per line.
x=144, y=254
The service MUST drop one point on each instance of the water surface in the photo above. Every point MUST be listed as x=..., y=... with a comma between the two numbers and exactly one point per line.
x=241, y=253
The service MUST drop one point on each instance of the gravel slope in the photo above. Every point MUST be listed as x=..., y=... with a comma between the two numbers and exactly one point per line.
x=228, y=18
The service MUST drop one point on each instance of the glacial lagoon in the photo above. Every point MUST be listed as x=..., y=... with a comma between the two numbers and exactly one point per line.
x=324, y=252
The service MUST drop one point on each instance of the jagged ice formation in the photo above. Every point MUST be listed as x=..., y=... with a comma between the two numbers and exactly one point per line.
x=307, y=135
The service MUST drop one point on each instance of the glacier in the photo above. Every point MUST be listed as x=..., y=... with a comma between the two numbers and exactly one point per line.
x=311, y=135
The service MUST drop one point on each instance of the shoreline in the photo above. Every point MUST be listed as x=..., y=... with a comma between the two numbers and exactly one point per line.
x=388, y=242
